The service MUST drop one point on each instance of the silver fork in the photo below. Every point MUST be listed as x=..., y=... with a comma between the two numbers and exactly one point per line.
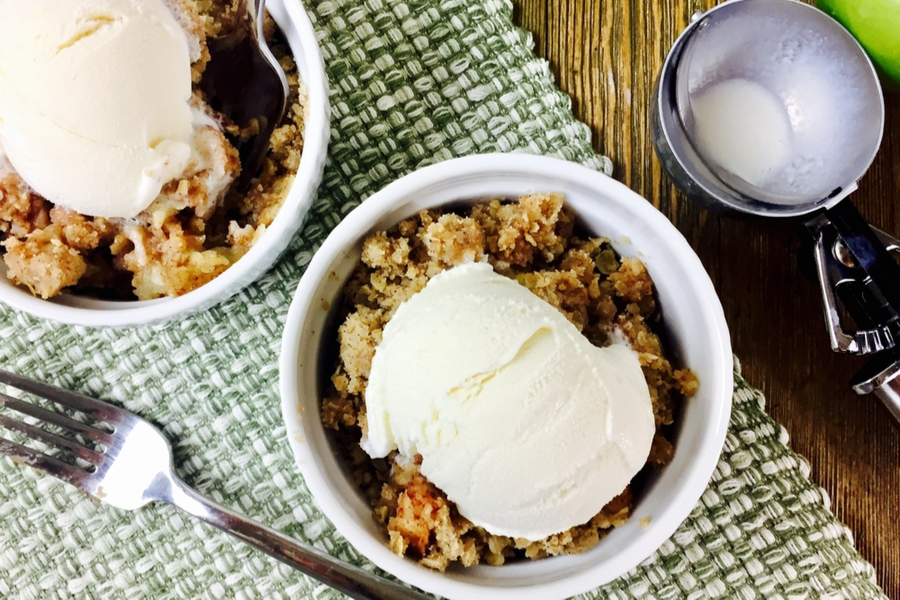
x=131, y=465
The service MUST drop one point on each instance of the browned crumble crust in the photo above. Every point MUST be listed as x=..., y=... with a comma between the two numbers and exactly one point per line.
x=191, y=233
x=532, y=241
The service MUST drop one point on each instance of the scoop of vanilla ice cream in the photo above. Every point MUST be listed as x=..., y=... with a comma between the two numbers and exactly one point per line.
x=524, y=424
x=94, y=111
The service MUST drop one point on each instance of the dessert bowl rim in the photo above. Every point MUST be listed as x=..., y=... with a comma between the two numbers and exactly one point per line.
x=336, y=248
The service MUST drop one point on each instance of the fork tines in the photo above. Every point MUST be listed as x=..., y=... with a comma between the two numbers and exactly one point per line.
x=99, y=410
x=82, y=443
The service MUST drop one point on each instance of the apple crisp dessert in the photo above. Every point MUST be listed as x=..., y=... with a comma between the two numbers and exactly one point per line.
x=193, y=231
x=533, y=241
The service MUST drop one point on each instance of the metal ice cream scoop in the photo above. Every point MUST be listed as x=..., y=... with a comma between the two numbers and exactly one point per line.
x=771, y=108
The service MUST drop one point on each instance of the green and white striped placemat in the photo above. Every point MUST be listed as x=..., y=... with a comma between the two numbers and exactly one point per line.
x=413, y=82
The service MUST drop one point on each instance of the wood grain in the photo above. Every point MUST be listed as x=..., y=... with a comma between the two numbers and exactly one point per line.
x=606, y=54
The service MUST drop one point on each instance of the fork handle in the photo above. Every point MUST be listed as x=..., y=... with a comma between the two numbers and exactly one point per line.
x=346, y=578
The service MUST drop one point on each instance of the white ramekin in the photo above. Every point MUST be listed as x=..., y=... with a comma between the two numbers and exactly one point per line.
x=77, y=310
x=692, y=316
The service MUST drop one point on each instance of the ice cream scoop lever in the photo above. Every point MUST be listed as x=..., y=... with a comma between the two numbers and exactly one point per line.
x=854, y=268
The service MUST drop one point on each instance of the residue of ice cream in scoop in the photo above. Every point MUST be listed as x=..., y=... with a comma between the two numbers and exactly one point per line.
x=743, y=128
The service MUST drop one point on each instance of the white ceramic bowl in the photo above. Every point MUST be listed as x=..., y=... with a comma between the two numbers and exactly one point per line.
x=77, y=310
x=692, y=316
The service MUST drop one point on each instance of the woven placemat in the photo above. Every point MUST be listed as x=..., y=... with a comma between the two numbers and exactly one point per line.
x=414, y=82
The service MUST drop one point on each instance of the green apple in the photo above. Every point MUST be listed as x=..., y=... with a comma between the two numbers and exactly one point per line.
x=876, y=24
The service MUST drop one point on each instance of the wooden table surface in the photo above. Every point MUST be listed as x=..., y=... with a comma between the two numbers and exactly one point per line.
x=606, y=54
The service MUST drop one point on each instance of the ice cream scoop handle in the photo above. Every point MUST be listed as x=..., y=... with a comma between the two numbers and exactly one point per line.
x=889, y=394
x=881, y=377
x=344, y=577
